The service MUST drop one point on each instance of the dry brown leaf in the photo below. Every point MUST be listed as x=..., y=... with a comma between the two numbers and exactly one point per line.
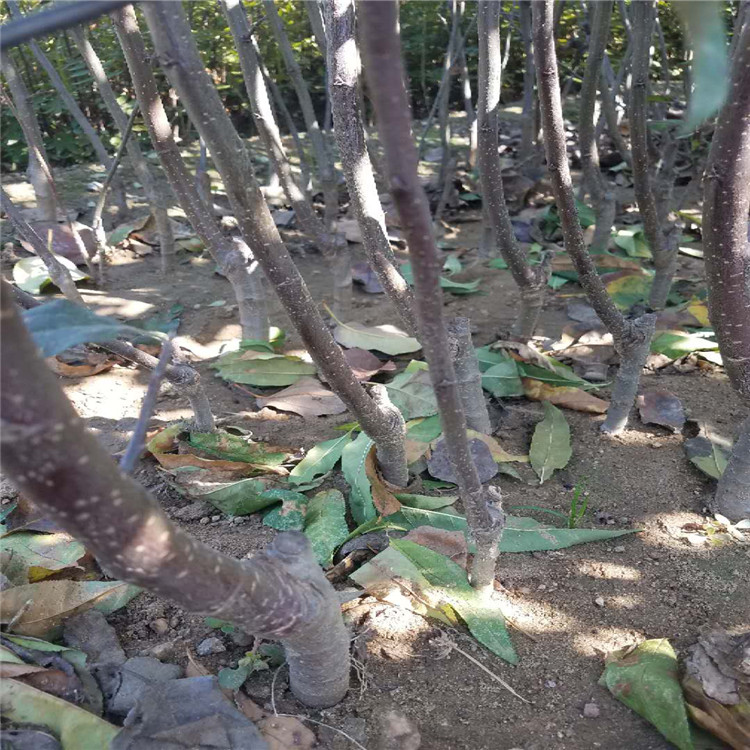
x=194, y=668
x=10, y=670
x=217, y=470
x=498, y=452
x=63, y=242
x=451, y=544
x=96, y=363
x=385, y=501
x=565, y=396
x=525, y=353
x=415, y=449
x=307, y=397
x=365, y=364
x=280, y=732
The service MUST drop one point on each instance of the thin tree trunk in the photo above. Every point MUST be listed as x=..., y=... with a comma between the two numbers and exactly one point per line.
x=530, y=281
x=268, y=130
x=72, y=106
x=527, y=148
x=154, y=196
x=471, y=114
x=386, y=79
x=444, y=122
x=59, y=274
x=726, y=202
x=602, y=195
x=631, y=337
x=173, y=41
x=643, y=16
x=234, y=258
x=468, y=377
x=39, y=171
x=343, y=72
x=279, y=594
x=320, y=147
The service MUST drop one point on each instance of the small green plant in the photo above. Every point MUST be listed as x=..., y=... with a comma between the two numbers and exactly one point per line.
x=578, y=505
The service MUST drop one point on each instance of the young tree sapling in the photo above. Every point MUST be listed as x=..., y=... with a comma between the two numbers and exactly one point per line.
x=385, y=72
x=531, y=281
x=726, y=245
x=176, y=46
x=343, y=76
x=280, y=594
x=632, y=337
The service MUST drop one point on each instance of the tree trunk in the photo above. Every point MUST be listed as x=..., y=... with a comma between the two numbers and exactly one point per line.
x=39, y=172
x=726, y=202
x=173, y=41
x=343, y=72
x=233, y=257
x=72, y=106
x=471, y=114
x=530, y=281
x=444, y=122
x=386, y=79
x=628, y=335
x=527, y=148
x=643, y=17
x=280, y=594
x=468, y=377
x=602, y=195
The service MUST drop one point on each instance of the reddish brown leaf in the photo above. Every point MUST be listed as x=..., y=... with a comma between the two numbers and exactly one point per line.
x=452, y=544
x=365, y=364
x=564, y=396
x=662, y=408
x=385, y=501
x=63, y=241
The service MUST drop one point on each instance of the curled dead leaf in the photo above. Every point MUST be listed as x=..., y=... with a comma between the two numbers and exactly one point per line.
x=385, y=501
x=565, y=396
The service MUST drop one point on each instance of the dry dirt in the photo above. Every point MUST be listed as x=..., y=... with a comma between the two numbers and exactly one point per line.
x=653, y=583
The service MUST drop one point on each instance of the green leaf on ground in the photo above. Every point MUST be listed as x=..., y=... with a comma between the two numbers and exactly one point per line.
x=561, y=375
x=707, y=455
x=455, y=287
x=325, y=524
x=628, y=289
x=646, y=680
x=31, y=275
x=550, y=444
x=710, y=68
x=411, y=392
x=426, y=502
x=262, y=368
x=32, y=557
x=632, y=240
x=452, y=264
x=556, y=280
x=386, y=338
x=498, y=263
x=353, y=460
x=58, y=325
x=226, y=446
x=167, y=322
x=240, y=498
x=319, y=460
x=503, y=380
x=675, y=344
x=290, y=515
x=424, y=430
x=74, y=727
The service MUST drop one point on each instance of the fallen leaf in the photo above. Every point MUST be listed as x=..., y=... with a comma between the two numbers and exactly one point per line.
x=565, y=396
x=627, y=288
x=76, y=728
x=415, y=449
x=166, y=439
x=441, y=467
x=239, y=498
x=53, y=601
x=215, y=470
x=365, y=365
x=498, y=452
x=34, y=556
x=385, y=338
x=353, y=459
x=707, y=455
x=319, y=460
x=290, y=515
x=230, y=447
x=699, y=311
x=382, y=496
x=645, y=679
x=363, y=274
x=411, y=392
x=424, y=430
x=83, y=364
x=676, y=344
x=307, y=397
x=426, y=502
x=450, y=544
x=502, y=379
x=550, y=444
x=123, y=231
x=325, y=524
x=264, y=369
x=286, y=733
x=662, y=408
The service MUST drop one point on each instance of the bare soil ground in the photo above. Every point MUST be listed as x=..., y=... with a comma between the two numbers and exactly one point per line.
x=653, y=583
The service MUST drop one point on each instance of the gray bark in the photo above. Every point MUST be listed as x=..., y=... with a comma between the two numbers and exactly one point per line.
x=527, y=148
x=726, y=203
x=174, y=42
x=155, y=197
x=233, y=258
x=280, y=594
x=631, y=337
x=39, y=172
x=643, y=17
x=530, y=281
x=471, y=114
x=468, y=377
x=449, y=63
x=343, y=74
x=385, y=73
x=602, y=195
